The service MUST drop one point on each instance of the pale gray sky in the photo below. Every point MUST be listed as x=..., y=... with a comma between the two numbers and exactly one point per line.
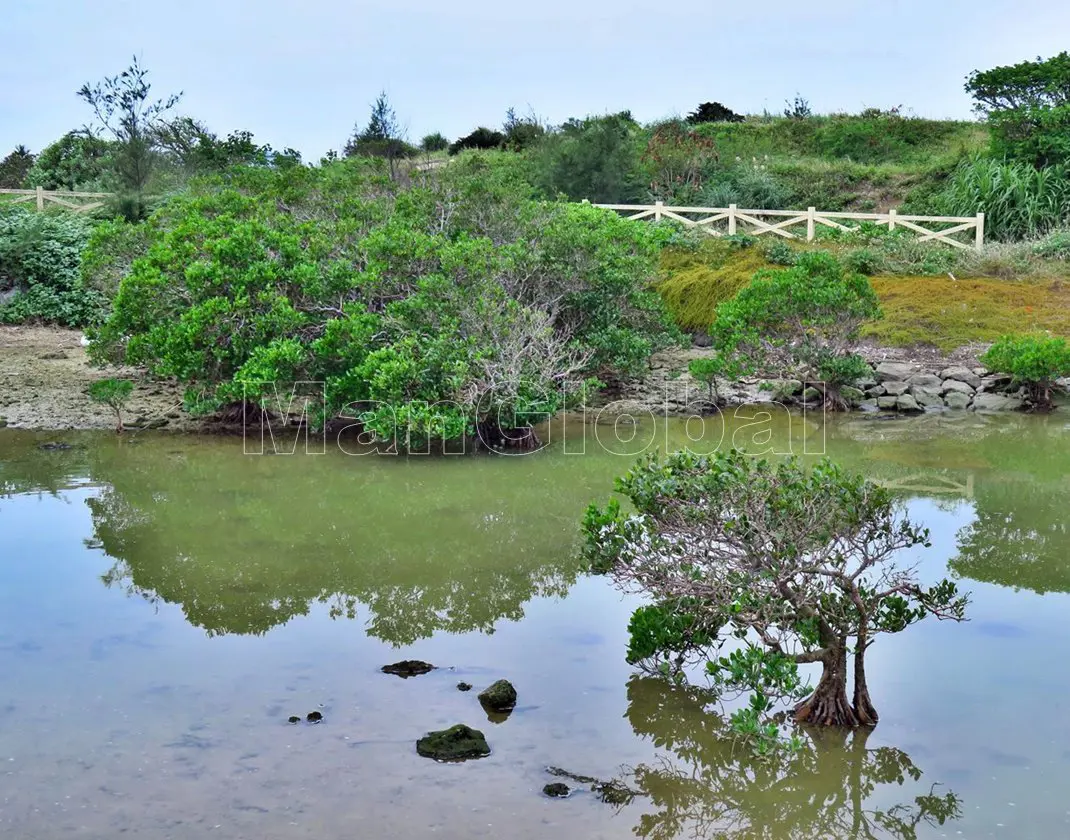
x=301, y=73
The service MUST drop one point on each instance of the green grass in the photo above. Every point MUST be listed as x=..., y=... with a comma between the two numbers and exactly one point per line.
x=902, y=141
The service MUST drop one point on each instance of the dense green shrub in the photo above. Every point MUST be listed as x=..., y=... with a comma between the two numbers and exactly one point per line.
x=74, y=162
x=40, y=255
x=801, y=319
x=712, y=112
x=521, y=132
x=481, y=138
x=676, y=161
x=433, y=313
x=1034, y=361
x=1028, y=109
x=749, y=186
x=778, y=252
x=1018, y=200
x=595, y=159
x=434, y=142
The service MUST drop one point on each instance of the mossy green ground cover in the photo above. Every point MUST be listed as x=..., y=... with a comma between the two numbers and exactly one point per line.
x=944, y=311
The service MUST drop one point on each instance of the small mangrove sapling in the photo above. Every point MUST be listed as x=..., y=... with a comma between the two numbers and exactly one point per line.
x=708, y=369
x=113, y=393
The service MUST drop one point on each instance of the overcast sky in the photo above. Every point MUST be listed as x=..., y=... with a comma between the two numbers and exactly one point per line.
x=301, y=73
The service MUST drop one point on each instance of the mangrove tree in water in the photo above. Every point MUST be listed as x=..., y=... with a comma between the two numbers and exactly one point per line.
x=796, y=564
x=455, y=308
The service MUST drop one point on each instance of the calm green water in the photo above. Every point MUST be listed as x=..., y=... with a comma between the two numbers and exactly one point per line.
x=167, y=602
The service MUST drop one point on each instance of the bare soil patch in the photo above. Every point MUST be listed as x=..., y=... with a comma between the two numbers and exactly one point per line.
x=44, y=373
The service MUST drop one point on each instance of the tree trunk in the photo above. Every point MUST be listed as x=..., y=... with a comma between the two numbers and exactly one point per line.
x=489, y=435
x=828, y=705
x=863, y=706
x=832, y=399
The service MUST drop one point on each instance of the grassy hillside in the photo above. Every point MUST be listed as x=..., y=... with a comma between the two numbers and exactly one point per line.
x=846, y=162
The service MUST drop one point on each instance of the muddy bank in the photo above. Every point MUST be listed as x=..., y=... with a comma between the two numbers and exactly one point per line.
x=44, y=373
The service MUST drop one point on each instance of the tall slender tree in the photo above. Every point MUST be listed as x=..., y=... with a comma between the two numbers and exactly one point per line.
x=382, y=137
x=14, y=167
x=124, y=108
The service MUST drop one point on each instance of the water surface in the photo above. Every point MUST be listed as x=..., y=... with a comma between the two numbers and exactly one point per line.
x=167, y=602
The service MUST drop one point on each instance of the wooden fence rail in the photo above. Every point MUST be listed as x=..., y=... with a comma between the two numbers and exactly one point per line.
x=70, y=200
x=718, y=221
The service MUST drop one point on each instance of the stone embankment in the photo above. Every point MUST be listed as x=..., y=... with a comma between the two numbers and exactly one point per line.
x=893, y=386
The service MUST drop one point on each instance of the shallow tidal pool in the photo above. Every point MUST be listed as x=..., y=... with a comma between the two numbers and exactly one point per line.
x=166, y=603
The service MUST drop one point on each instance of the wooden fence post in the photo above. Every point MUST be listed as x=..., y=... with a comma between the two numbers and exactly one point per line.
x=731, y=220
x=657, y=211
x=40, y=199
x=810, y=223
x=891, y=219
x=979, y=238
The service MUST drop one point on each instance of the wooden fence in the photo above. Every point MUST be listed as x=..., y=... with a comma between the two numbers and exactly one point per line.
x=718, y=221
x=70, y=200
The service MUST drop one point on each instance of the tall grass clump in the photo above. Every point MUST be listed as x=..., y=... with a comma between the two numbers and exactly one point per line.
x=1018, y=201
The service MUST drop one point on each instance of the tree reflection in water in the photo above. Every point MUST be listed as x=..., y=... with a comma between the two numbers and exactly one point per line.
x=709, y=785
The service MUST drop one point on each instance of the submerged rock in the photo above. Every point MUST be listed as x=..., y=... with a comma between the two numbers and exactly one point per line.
x=463, y=686
x=314, y=717
x=907, y=403
x=294, y=719
x=499, y=696
x=996, y=402
x=556, y=789
x=53, y=446
x=454, y=744
x=497, y=717
x=408, y=668
x=612, y=792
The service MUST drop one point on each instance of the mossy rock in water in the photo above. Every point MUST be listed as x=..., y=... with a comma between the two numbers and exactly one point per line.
x=408, y=668
x=463, y=686
x=499, y=696
x=852, y=395
x=556, y=789
x=454, y=744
